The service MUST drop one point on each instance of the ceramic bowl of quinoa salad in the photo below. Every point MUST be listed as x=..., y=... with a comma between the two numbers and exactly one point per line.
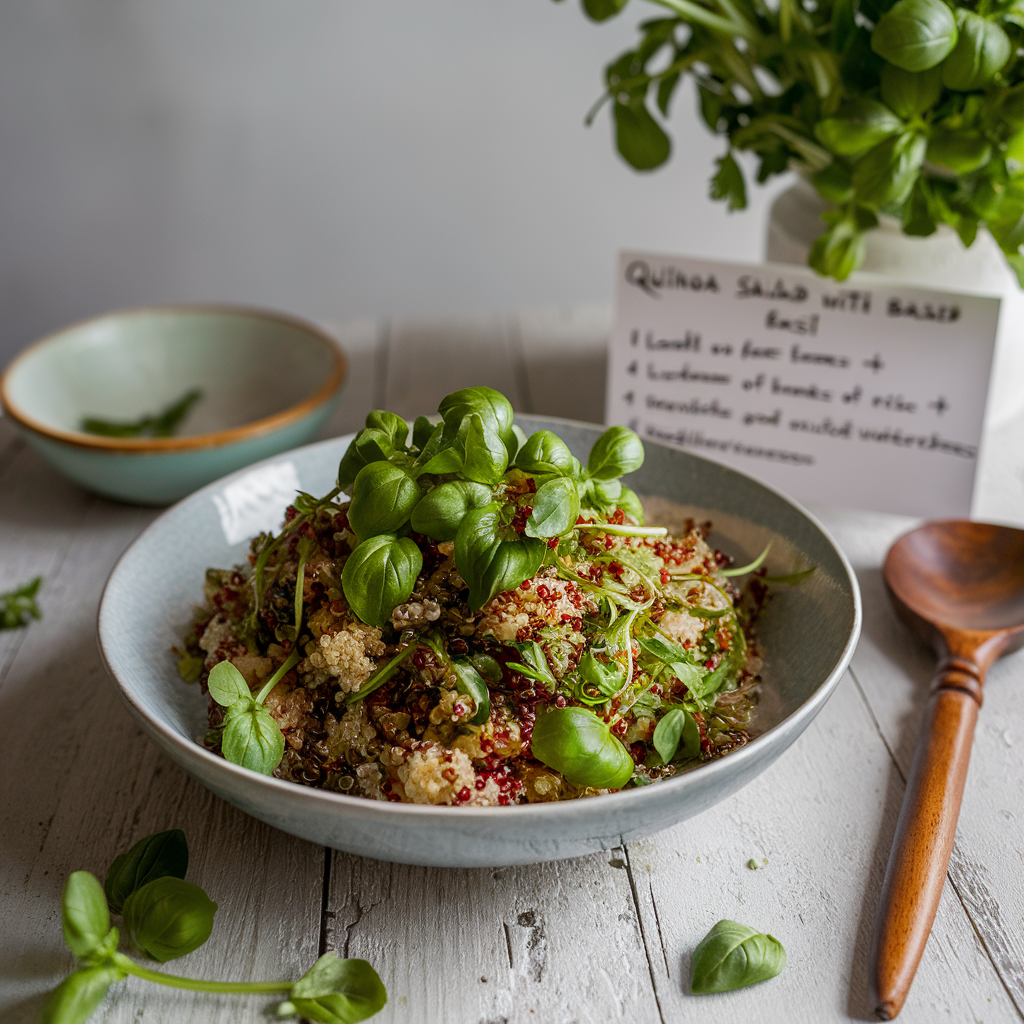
x=473, y=640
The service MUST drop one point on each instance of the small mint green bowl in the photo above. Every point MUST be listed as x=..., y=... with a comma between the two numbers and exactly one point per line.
x=268, y=383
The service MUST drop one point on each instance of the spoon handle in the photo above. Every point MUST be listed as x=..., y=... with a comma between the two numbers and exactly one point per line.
x=924, y=834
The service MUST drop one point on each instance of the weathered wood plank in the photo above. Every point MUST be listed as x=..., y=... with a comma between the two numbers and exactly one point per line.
x=565, y=352
x=426, y=360
x=82, y=783
x=549, y=942
x=818, y=824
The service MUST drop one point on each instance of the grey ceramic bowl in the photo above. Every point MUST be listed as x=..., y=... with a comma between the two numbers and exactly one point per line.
x=808, y=633
x=268, y=383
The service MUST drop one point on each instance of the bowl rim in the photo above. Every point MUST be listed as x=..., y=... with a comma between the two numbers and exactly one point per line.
x=198, y=755
x=213, y=439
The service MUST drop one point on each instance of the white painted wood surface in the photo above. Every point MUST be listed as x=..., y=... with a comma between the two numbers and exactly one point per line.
x=602, y=938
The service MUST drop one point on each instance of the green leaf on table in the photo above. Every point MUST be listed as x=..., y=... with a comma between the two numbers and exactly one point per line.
x=168, y=918
x=915, y=34
x=732, y=956
x=84, y=914
x=337, y=991
x=79, y=995
x=727, y=183
x=19, y=605
x=156, y=856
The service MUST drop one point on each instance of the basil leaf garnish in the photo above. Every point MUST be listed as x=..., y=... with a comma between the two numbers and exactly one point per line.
x=556, y=507
x=380, y=575
x=440, y=512
x=579, y=745
x=733, y=956
x=470, y=682
x=489, y=563
x=676, y=733
x=617, y=451
x=383, y=495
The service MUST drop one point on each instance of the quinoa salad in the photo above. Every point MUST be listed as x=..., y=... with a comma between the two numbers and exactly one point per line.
x=485, y=622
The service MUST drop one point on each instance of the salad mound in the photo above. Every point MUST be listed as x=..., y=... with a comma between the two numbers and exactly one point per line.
x=484, y=622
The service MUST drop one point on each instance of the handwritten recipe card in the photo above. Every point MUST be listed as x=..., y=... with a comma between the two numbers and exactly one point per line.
x=868, y=395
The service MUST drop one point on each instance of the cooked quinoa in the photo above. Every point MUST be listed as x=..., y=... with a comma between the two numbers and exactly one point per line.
x=411, y=739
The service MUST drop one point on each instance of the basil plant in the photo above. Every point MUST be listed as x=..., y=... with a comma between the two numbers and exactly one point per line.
x=912, y=109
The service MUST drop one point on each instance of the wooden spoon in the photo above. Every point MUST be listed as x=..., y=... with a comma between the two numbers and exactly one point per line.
x=960, y=586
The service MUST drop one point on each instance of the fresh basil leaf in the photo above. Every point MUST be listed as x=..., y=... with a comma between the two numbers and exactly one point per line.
x=533, y=662
x=251, y=738
x=422, y=430
x=79, y=995
x=886, y=175
x=227, y=685
x=470, y=682
x=369, y=445
x=982, y=48
x=727, y=667
x=383, y=496
x=514, y=440
x=440, y=511
x=630, y=504
x=839, y=251
x=487, y=562
x=84, y=913
x=727, y=183
x=556, y=507
x=607, y=678
x=165, y=853
x=336, y=991
x=910, y=93
x=617, y=451
x=733, y=956
x=486, y=457
x=19, y=605
x=639, y=138
x=962, y=151
x=491, y=406
x=579, y=745
x=545, y=452
x=391, y=425
x=857, y=127
x=168, y=918
x=602, y=10
x=447, y=460
x=380, y=575
x=676, y=732
x=488, y=667
x=915, y=34
x=833, y=183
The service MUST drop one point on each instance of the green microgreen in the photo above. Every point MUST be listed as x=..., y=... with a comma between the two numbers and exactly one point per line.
x=168, y=917
x=162, y=424
x=19, y=605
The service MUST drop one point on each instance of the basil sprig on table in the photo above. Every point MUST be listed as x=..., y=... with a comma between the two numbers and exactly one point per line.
x=451, y=481
x=168, y=917
x=19, y=605
x=733, y=956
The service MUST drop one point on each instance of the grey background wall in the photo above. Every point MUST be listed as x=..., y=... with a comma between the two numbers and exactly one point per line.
x=335, y=158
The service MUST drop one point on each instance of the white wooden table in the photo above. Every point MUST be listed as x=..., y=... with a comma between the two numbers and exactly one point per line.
x=599, y=939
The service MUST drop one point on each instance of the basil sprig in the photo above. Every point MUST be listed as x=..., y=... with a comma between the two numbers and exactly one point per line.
x=733, y=956
x=156, y=856
x=450, y=482
x=167, y=918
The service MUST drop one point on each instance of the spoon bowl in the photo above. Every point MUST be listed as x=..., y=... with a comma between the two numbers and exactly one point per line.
x=960, y=586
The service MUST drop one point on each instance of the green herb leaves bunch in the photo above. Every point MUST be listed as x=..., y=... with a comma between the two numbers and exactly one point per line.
x=19, y=605
x=912, y=108
x=167, y=917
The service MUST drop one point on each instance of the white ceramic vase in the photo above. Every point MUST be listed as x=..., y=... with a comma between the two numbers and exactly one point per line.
x=939, y=261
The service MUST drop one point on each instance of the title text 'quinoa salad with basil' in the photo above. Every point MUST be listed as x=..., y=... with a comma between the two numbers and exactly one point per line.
x=486, y=622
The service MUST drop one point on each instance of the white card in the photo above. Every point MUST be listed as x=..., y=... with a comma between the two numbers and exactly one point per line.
x=863, y=393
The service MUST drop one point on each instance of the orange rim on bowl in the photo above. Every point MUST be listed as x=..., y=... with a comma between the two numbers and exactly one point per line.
x=139, y=445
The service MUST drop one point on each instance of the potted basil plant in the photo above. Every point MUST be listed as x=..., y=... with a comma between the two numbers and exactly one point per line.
x=905, y=121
